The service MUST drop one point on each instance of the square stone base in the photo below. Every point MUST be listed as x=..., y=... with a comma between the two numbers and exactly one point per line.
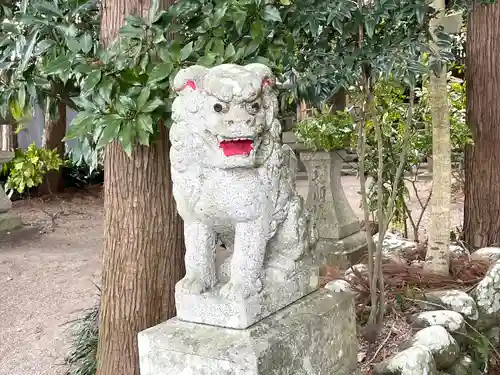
x=342, y=253
x=9, y=222
x=314, y=336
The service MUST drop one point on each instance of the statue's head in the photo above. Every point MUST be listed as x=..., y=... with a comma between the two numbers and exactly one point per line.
x=232, y=108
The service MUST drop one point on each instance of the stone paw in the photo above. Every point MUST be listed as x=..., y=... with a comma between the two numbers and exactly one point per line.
x=193, y=285
x=240, y=290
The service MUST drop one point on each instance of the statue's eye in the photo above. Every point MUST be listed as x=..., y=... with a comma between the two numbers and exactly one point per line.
x=253, y=108
x=218, y=107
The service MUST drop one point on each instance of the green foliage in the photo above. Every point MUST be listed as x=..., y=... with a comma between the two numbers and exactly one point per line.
x=82, y=360
x=327, y=130
x=39, y=41
x=28, y=168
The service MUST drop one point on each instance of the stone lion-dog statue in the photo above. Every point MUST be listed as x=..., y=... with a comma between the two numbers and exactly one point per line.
x=232, y=180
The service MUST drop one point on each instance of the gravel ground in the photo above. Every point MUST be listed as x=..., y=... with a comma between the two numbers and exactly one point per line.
x=47, y=280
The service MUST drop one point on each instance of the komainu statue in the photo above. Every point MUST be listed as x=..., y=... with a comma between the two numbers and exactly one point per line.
x=234, y=186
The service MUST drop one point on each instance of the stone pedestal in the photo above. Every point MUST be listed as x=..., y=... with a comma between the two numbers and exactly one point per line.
x=313, y=336
x=338, y=225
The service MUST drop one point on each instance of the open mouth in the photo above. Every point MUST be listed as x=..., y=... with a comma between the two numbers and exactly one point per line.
x=232, y=146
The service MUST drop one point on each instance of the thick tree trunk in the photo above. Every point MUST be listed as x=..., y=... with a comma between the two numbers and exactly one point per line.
x=438, y=253
x=52, y=139
x=482, y=168
x=144, y=244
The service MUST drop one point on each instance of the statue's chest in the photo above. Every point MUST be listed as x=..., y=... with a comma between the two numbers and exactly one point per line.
x=232, y=195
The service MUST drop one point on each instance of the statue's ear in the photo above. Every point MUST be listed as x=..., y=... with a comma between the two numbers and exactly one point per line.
x=190, y=78
x=264, y=72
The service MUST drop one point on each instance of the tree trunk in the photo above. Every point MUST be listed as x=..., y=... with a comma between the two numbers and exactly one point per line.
x=144, y=244
x=482, y=168
x=438, y=254
x=52, y=139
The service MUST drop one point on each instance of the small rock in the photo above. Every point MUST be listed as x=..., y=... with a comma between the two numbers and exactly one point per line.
x=450, y=320
x=416, y=360
x=350, y=276
x=441, y=344
x=491, y=254
x=339, y=286
x=487, y=295
x=455, y=300
x=459, y=251
x=394, y=244
x=464, y=366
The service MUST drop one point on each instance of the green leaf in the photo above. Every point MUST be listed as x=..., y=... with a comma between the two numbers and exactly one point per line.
x=251, y=48
x=105, y=88
x=111, y=128
x=160, y=72
x=48, y=8
x=145, y=122
x=239, y=17
x=126, y=137
x=230, y=51
x=91, y=81
x=152, y=105
x=143, y=137
x=127, y=103
x=21, y=96
x=285, y=2
x=132, y=32
x=80, y=125
x=43, y=46
x=16, y=110
x=86, y=43
x=186, y=51
x=28, y=53
x=207, y=60
x=271, y=13
x=58, y=65
x=143, y=97
x=73, y=44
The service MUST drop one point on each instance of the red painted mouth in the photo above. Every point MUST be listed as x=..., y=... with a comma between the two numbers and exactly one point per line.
x=241, y=146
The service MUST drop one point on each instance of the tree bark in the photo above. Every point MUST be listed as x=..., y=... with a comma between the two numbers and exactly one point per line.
x=438, y=253
x=482, y=170
x=52, y=139
x=144, y=244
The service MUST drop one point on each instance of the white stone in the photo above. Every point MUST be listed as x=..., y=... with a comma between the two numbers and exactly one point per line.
x=314, y=336
x=459, y=250
x=487, y=295
x=337, y=286
x=416, y=360
x=232, y=184
x=441, y=344
x=394, y=244
x=491, y=254
x=455, y=300
x=451, y=320
x=350, y=273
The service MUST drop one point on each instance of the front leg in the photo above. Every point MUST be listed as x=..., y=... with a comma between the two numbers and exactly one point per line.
x=247, y=262
x=200, y=259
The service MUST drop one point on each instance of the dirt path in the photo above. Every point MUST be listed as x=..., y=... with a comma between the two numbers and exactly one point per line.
x=47, y=281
